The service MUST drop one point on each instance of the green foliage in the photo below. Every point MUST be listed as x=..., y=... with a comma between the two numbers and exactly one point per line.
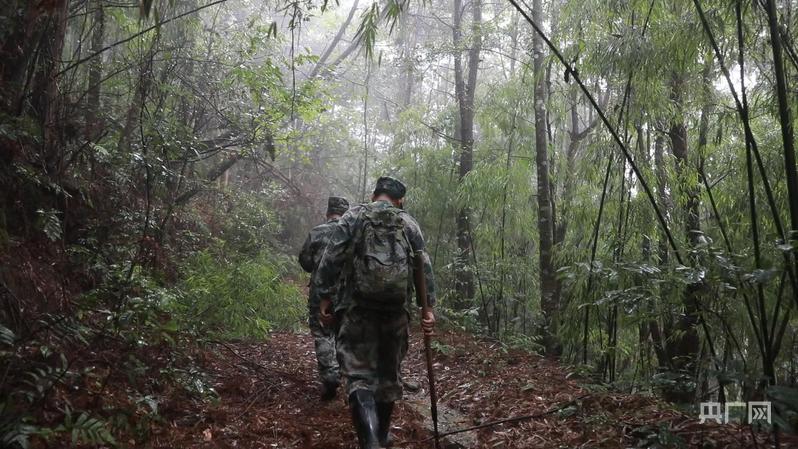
x=136, y=312
x=14, y=433
x=660, y=436
x=134, y=305
x=672, y=381
x=6, y=336
x=188, y=377
x=442, y=348
x=244, y=298
x=163, y=252
x=250, y=224
x=34, y=379
x=80, y=429
x=785, y=407
x=50, y=224
x=528, y=343
x=369, y=26
x=85, y=429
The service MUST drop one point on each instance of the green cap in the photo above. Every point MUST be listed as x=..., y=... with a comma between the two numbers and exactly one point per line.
x=391, y=187
x=337, y=205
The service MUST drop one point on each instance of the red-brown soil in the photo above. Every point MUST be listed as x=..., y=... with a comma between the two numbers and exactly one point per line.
x=269, y=399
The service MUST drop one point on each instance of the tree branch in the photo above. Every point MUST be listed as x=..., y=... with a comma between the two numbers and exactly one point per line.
x=140, y=33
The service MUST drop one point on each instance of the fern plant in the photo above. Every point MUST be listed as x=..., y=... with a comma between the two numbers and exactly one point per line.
x=85, y=429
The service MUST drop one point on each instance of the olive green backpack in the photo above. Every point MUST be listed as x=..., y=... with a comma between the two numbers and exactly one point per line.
x=382, y=263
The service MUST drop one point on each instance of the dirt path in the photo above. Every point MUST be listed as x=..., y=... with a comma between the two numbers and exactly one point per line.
x=269, y=399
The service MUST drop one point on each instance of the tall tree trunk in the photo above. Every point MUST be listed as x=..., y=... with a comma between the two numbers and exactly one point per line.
x=514, y=40
x=47, y=98
x=465, y=87
x=643, y=152
x=575, y=138
x=683, y=342
x=663, y=197
x=549, y=303
x=785, y=115
x=139, y=97
x=408, y=40
x=20, y=45
x=93, y=126
x=334, y=43
x=213, y=174
x=645, y=338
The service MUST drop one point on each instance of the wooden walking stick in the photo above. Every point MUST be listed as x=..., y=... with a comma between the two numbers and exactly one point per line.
x=421, y=294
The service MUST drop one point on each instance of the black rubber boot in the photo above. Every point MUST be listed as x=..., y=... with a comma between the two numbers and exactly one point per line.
x=384, y=412
x=364, y=416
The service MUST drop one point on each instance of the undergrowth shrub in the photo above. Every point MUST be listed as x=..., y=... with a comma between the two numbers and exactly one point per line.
x=104, y=331
x=243, y=298
x=62, y=369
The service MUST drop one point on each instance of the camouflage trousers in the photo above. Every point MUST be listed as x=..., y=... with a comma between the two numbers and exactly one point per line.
x=371, y=347
x=324, y=341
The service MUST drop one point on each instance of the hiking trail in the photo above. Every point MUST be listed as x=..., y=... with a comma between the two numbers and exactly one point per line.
x=269, y=399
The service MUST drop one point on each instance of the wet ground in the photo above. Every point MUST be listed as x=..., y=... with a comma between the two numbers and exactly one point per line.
x=269, y=399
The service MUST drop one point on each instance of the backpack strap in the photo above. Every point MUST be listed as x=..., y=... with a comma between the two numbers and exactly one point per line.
x=410, y=251
x=406, y=239
x=356, y=241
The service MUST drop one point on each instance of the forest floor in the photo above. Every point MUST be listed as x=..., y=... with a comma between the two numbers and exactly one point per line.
x=269, y=399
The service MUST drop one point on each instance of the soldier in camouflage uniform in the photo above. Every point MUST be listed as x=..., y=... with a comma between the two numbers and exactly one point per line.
x=324, y=337
x=372, y=336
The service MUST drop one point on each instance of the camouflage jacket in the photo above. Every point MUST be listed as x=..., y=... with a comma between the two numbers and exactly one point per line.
x=312, y=250
x=335, y=258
